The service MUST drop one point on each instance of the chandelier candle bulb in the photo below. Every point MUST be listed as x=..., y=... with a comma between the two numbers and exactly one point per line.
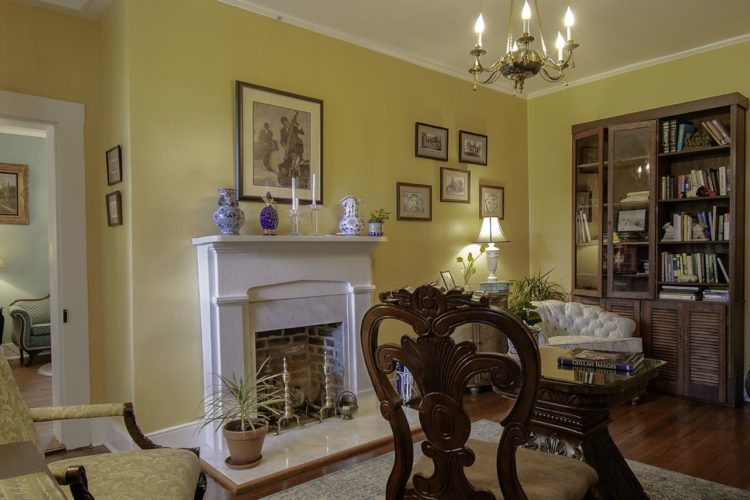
x=560, y=44
x=479, y=29
x=569, y=21
x=526, y=16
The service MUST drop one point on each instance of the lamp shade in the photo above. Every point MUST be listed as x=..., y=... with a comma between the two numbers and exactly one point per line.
x=491, y=232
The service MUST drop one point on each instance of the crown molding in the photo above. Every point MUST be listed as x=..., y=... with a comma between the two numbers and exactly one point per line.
x=645, y=64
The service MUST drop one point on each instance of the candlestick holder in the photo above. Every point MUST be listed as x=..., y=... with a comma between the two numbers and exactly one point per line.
x=289, y=412
x=314, y=209
x=294, y=222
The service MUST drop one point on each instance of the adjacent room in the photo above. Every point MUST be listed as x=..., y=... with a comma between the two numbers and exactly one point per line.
x=424, y=249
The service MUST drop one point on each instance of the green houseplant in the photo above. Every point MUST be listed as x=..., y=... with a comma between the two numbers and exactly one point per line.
x=533, y=288
x=242, y=408
x=375, y=223
x=468, y=265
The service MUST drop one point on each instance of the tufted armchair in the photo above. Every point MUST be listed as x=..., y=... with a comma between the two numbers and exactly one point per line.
x=153, y=472
x=573, y=325
x=30, y=326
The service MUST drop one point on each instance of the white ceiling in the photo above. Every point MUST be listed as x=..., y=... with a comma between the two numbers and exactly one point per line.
x=615, y=35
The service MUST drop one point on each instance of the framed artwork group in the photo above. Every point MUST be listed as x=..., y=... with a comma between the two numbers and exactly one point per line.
x=113, y=200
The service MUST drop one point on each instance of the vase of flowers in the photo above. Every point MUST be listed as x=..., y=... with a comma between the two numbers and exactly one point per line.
x=469, y=267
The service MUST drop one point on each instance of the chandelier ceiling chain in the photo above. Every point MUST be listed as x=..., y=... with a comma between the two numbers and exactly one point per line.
x=520, y=60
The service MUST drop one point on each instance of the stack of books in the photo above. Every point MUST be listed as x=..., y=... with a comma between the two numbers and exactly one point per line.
x=716, y=294
x=606, y=360
x=679, y=292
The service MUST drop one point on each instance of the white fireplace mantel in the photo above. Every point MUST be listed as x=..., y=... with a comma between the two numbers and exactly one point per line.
x=253, y=283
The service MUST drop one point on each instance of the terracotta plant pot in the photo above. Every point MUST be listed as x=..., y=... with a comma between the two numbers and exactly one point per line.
x=244, y=447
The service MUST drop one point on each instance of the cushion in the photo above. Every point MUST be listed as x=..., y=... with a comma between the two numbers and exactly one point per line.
x=572, y=318
x=166, y=474
x=632, y=344
x=543, y=476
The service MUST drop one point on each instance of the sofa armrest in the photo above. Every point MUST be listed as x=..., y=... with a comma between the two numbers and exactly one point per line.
x=75, y=478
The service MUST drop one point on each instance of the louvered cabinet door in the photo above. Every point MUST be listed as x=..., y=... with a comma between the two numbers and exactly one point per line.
x=662, y=338
x=627, y=308
x=705, y=367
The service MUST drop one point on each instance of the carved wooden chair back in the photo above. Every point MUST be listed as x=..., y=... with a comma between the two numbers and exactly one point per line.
x=441, y=369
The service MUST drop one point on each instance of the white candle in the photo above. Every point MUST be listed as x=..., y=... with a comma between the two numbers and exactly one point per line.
x=526, y=15
x=569, y=21
x=479, y=29
x=560, y=44
x=294, y=193
x=312, y=190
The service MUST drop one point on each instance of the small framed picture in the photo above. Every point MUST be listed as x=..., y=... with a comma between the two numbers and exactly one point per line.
x=455, y=185
x=114, y=209
x=472, y=148
x=114, y=165
x=14, y=194
x=431, y=141
x=448, y=280
x=631, y=220
x=413, y=201
x=491, y=201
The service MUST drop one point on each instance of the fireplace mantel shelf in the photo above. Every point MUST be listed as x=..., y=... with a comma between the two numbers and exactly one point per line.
x=259, y=238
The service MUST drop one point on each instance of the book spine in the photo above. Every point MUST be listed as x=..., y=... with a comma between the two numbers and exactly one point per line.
x=711, y=132
x=665, y=136
x=672, y=135
x=590, y=363
x=722, y=130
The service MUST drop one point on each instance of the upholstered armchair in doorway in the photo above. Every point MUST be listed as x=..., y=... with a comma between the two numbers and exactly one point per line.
x=30, y=326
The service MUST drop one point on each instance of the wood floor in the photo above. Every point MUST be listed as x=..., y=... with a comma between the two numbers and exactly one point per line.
x=699, y=440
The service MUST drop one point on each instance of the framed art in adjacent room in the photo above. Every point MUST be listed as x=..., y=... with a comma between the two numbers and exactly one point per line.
x=114, y=165
x=455, y=185
x=448, y=280
x=491, y=201
x=14, y=194
x=279, y=136
x=472, y=148
x=430, y=141
x=632, y=220
x=114, y=209
x=413, y=201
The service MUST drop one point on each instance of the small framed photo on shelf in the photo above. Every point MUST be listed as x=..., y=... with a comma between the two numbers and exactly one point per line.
x=430, y=141
x=14, y=194
x=114, y=165
x=472, y=148
x=114, y=209
x=625, y=260
x=491, y=201
x=632, y=221
x=448, y=280
x=455, y=185
x=413, y=201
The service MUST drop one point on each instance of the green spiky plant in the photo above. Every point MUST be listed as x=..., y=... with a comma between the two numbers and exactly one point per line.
x=242, y=405
x=468, y=265
x=533, y=288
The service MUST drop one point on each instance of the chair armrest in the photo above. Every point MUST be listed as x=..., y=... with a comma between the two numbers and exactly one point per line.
x=75, y=477
x=47, y=414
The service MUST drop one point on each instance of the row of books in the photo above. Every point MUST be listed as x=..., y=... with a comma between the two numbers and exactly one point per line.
x=688, y=292
x=674, y=134
x=714, y=181
x=583, y=234
x=711, y=226
x=701, y=267
x=713, y=294
x=606, y=360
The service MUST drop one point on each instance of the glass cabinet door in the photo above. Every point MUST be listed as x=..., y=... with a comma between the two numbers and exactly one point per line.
x=589, y=177
x=632, y=182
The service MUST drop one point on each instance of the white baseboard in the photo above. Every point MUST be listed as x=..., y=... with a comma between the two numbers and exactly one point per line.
x=111, y=433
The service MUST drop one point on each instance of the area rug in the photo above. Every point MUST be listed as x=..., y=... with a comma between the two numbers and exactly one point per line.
x=367, y=479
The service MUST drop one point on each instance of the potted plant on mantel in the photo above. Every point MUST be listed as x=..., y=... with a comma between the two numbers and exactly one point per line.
x=375, y=224
x=243, y=408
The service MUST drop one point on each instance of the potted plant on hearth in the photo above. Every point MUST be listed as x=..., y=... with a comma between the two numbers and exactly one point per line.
x=242, y=408
x=375, y=224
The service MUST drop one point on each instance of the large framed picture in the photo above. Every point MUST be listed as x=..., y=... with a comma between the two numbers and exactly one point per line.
x=430, y=141
x=279, y=136
x=114, y=208
x=472, y=148
x=413, y=201
x=14, y=194
x=455, y=185
x=491, y=201
x=632, y=220
x=114, y=165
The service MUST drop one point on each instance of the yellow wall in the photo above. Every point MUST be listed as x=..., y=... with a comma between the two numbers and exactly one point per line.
x=550, y=118
x=182, y=75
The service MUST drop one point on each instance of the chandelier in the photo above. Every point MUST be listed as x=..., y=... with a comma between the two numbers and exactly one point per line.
x=520, y=60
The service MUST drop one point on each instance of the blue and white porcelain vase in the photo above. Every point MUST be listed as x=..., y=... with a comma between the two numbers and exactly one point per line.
x=351, y=223
x=228, y=217
x=269, y=215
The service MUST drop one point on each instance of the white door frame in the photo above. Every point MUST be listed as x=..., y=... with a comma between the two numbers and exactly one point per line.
x=63, y=124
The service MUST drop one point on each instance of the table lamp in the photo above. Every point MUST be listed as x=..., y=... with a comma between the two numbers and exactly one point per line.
x=491, y=233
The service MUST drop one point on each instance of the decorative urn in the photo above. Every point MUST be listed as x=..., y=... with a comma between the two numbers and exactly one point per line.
x=269, y=215
x=228, y=217
x=351, y=223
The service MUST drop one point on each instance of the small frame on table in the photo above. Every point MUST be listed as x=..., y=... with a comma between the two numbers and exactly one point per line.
x=430, y=141
x=114, y=165
x=455, y=185
x=472, y=148
x=491, y=201
x=114, y=208
x=279, y=136
x=413, y=201
x=450, y=284
x=14, y=194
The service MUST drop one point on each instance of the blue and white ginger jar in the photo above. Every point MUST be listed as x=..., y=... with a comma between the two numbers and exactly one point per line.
x=228, y=217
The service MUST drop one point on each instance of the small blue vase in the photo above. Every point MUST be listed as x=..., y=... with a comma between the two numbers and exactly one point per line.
x=228, y=217
x=269, y=216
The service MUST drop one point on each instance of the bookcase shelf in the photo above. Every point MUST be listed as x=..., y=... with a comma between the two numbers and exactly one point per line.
x=635, y=157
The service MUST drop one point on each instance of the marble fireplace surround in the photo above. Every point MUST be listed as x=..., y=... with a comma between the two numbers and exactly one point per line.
x=251, y=284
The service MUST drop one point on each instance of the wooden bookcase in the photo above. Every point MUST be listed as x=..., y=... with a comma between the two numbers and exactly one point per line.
x=633, y=177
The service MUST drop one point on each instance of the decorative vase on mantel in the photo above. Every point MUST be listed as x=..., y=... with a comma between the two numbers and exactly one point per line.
x=351, y=223
x=269, y=215
x=228, y=217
